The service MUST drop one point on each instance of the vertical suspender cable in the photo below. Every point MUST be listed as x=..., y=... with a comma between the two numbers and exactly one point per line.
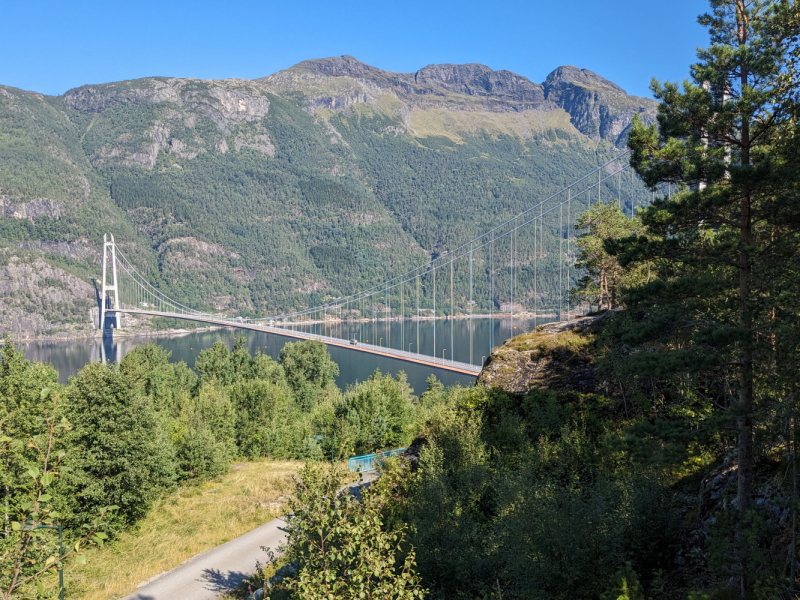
x=470, y=304
x=541, y=253
x=569, y=237
x=452, y=311
x=389, y=322
x=417, y=313
x=491, y=296
x=560, y=258
x=434, y=311
x=511, y=279
x=630, y=193
x=535, y=271
x=402, y=317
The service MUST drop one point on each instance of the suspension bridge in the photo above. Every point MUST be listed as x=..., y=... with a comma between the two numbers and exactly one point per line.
x=521, y=268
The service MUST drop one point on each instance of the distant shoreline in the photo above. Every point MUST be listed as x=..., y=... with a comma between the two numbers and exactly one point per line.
x=127, y=333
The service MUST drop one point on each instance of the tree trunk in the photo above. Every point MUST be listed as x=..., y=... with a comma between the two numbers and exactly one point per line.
x=793, y=546
x=744, y=422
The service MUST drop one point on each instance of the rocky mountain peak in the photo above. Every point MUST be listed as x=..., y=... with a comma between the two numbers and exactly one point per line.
x=339, y=66
x=598, y=108
x=476, y=79
x=567, y=76
x=449, y=75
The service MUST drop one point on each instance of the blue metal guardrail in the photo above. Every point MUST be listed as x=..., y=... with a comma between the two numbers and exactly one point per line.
x=362, y=464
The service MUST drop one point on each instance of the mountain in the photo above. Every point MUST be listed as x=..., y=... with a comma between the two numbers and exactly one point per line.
x=276, y=193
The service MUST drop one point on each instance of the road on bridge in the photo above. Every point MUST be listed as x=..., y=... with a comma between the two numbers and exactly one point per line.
x=422, y=359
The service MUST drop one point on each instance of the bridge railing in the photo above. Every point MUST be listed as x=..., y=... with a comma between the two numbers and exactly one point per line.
x=369, y=462
x=389, y=351
x=258, y=325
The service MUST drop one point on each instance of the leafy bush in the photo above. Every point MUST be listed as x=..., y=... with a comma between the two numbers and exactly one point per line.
x=120, y=454
x=309, y=370
x=340, y=546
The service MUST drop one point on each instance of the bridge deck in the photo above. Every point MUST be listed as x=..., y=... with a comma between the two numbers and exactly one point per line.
x=422, y=359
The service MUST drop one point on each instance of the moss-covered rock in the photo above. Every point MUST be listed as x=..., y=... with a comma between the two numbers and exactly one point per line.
x=557, y=356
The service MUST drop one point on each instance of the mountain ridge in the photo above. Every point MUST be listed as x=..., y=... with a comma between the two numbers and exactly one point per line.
x=261, y=195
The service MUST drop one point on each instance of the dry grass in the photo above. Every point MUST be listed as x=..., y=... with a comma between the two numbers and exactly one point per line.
x=184, y=524
x=450, y=123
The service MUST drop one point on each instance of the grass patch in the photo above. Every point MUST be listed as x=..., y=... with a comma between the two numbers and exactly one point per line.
x=544, y=342
x=188, y=522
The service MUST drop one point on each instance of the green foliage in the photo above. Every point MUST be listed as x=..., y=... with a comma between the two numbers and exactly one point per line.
x=340, y=546
x=21, y=383
x=536, y=496
x=204, y=433
x=30, y=546
x=626, y=586
x=148, y=369
x=268, y=420
x=714, y=330
x=604, y=279
x=377, y=413
x=309, y=370
x=120, y=454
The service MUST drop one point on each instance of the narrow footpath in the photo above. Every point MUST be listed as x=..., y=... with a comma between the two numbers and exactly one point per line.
x=209, y=575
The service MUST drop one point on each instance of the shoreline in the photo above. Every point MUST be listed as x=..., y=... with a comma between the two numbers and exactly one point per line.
x=127, y=333
x=118, y=334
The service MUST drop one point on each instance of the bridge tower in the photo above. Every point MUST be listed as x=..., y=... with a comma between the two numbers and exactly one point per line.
x=109, y=253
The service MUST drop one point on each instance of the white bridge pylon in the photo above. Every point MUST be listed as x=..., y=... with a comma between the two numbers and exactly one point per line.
x=538, y=242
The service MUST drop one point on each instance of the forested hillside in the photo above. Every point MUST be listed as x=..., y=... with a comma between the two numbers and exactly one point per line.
x=277, y=193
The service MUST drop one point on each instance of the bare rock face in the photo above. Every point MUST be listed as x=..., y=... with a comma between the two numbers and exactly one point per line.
x=566, y=77
x=99, y=98
x=34, y=295
x=78, y=250
x=598, y=108
x=555, y=356
x=339, y=66
x=231, y=100
x=479, y=80
x=40, y=207
x=197, y=246
x=178, y=105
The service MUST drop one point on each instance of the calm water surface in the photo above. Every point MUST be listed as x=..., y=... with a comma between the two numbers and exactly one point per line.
x=452, y=340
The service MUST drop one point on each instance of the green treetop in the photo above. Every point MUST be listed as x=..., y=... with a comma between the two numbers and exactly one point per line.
x=605, y=278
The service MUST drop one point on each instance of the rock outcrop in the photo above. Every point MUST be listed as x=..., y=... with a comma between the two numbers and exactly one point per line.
x=598, y=108
x=555, y=356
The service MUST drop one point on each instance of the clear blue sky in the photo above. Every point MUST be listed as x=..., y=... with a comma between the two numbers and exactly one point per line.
x=52, y=46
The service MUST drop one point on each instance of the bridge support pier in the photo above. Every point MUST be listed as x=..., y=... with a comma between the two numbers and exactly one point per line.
x=109, y=253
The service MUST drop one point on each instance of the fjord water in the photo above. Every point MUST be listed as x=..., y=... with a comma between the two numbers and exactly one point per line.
x=452, y=342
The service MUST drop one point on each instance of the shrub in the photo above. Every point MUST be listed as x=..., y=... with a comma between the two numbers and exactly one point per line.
x=120, y=454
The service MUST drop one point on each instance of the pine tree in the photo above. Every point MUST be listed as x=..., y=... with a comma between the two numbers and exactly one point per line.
x=605, y=278
x=722, y=141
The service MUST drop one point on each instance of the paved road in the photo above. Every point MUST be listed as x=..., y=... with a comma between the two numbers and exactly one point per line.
x=209, y=575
